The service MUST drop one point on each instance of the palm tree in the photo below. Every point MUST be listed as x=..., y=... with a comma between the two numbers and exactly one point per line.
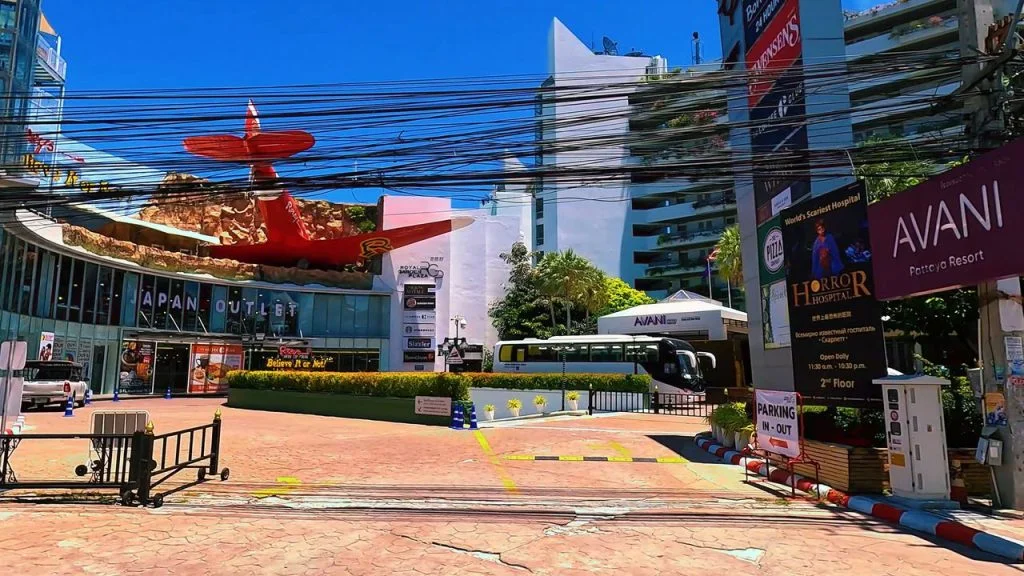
x=730, y=256
x=569, y=278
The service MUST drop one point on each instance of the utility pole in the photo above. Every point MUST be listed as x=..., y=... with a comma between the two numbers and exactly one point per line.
x=1001, y=318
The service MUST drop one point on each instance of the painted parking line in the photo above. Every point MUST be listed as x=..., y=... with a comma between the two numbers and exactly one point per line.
x=285, y=485
x=641, y=460
x=506, y=480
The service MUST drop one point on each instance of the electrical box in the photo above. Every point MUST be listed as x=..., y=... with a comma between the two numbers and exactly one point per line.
x=915, y=432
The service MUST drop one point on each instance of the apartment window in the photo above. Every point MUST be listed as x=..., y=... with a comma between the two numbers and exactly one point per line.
x=730, y=221
x=539, y=239
x=539, y=208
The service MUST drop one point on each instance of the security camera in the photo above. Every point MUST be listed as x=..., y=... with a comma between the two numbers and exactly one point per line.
x=462, y=323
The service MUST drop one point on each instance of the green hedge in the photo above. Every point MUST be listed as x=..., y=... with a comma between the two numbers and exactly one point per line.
x=600, y=382
x=411, y=384
x=379, y=384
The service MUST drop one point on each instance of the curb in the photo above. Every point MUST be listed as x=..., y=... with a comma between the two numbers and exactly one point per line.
x=918, y=520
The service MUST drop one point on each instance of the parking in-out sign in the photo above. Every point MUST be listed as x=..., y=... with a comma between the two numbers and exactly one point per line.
x=774, y=250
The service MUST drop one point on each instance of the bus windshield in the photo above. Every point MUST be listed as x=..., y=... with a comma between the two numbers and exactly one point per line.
x=687, y=368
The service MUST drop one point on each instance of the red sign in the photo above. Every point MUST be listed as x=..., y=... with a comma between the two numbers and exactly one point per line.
x=960, y=228
x=778, y=47
x=286, y=352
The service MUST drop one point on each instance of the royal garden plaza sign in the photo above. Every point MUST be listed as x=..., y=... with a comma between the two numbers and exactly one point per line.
x=778, y=423
x=960, y=228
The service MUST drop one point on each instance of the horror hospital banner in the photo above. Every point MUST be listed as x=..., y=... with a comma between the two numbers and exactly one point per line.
x=834, y=318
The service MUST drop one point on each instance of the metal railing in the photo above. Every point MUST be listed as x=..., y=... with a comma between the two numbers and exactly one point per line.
x=135, y=465
x=653, y=403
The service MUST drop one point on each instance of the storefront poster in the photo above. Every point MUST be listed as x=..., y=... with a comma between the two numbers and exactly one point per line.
x=211, y=364
x=995, y=409
x=46, y=346
x=1014, y=346
x=772, y=272
x=835, y=321
x=136, y=374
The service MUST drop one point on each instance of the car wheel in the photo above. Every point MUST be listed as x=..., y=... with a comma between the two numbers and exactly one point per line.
x=79, y=403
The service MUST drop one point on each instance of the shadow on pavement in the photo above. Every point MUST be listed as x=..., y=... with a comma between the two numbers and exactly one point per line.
x=685, y=446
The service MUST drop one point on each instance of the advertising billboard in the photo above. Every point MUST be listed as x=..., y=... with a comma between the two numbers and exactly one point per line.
x=773, y=44
x=211, y=364
x=955, y=229
x=835, y=320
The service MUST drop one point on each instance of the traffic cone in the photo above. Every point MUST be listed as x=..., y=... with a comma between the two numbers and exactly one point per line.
x=457, y=421
x=167, y=393
x=88, y=396
x=472, y=417
x=117, y=395
x=69, y=408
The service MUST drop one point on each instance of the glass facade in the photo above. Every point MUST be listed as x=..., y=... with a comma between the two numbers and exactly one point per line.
x=19, y=21
x=89, y=307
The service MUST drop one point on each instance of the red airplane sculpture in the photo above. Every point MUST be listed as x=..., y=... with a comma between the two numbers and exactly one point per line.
x=288, y=241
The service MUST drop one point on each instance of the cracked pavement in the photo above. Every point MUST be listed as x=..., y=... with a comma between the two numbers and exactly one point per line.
x=312, y=495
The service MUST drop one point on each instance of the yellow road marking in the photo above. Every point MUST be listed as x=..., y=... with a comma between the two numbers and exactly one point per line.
x=519, y=457
x=672, y=460
x=506, y=480
x=622, y=450
x=287, y=484
x=620, y=458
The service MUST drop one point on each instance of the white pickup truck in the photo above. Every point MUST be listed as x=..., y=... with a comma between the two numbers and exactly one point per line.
x=44, y=383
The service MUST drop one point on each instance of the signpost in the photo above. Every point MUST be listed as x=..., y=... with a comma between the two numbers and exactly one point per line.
x=12, y=358
x=778, y=422
x=433, y=406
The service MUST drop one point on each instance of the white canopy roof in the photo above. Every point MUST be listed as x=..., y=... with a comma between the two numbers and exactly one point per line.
x=683, y=312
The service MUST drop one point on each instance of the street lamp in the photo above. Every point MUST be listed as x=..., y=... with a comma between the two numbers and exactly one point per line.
x=453, y=343
x=885, y=350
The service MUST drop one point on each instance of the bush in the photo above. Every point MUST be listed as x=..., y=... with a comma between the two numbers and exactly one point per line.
x=598, y=382
x=381, y=384
x=730, y=417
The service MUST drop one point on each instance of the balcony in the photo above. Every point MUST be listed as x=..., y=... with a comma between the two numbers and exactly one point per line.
x=900, y=106
x=50, y=66
x=683, y=240
x=688, y=210
x=920, y=34
x=888, y=13
x=669, y=269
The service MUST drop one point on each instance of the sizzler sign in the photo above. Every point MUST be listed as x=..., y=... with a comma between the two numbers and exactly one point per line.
x=777, y=48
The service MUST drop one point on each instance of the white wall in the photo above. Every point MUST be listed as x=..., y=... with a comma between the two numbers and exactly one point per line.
x=570, y=223
x=474, y=274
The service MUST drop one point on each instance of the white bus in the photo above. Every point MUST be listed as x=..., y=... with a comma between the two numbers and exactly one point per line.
x=673, y=364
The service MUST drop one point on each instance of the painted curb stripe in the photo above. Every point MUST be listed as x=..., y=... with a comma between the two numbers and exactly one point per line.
x=636, y=460
x=911, y=519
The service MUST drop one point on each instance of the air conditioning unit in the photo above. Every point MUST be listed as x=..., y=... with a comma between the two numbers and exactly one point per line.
x=657, y=66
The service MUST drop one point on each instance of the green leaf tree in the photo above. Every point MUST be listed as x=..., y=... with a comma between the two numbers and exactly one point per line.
x=521, y=312
x=730, y=256
x=571, y=280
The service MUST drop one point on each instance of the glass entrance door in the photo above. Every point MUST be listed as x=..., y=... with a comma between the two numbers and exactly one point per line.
x=171, y=368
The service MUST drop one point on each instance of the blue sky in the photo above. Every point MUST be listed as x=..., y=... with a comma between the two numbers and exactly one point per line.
x=159, y=44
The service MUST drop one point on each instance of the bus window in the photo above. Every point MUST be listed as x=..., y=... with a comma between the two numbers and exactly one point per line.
x=541, y=354
x=577, y=353
x=635, y=353
x=505, y=354
x=520, y=354
x=606, y=352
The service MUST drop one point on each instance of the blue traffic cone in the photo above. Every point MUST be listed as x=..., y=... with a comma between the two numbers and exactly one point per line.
x=457, y=421
x=69, y=408
x=167, y=393
x=88, y=396
x=472, y=417
x=117, y=394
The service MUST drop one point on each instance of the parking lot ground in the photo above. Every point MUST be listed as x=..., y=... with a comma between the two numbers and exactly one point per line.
x=316, y=495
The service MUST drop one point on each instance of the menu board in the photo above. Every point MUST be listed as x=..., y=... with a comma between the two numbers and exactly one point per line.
x=136, y=374
x=210, y=366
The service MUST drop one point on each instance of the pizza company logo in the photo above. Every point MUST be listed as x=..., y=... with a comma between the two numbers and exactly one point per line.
x=839, y=288
x=374, y=247
x=774, y=250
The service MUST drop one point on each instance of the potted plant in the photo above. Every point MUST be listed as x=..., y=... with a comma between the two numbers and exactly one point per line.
x=514, y=404
x=540, y=402
x=489, y=411
x=574, y=398
x=743, y=436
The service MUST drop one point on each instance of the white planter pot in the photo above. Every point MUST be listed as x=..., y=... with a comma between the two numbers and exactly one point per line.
x=573, y=405
x=742, y=440
x=727, y=439
x=717, y=433
x=514, y=411
x=540, y=408
x=489, y=414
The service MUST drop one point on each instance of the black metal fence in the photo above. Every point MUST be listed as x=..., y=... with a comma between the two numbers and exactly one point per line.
x=135, y=465
x=654, y=403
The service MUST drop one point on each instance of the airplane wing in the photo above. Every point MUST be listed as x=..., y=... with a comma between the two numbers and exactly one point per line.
x=352, y=249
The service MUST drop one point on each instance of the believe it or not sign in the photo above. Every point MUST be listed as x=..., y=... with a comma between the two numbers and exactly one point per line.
x=433, y=406
x=960, y=228
x=778, y=424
